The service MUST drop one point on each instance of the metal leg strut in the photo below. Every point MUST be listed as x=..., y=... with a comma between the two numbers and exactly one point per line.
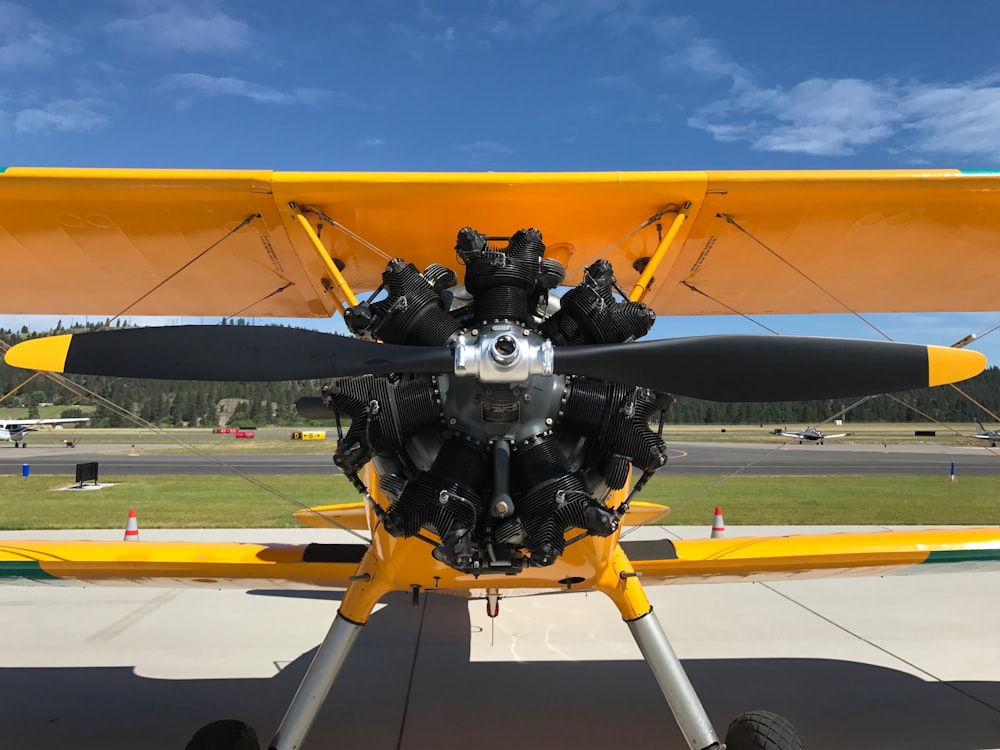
x=673, y=680
x=316, y=684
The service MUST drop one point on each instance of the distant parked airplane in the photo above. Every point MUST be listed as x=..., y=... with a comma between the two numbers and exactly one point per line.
x=812, y=434
x=16, y=430
x=984, y=434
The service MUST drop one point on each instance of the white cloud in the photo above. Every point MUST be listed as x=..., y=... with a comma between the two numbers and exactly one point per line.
x=206, y=85
x=26, y=42
x=841, y=116
x=547, y=16
x=62, y=115
x=706, y=59
x=819, y=116
x=177, y=28
x=961, y=119
x=372, y=142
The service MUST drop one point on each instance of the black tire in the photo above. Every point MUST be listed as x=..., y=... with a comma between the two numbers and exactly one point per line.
x=225, y=734
x=762, y=730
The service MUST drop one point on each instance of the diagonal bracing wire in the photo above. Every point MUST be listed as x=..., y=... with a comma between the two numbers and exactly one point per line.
x=730, y=220
x=344, y=230
x=191, y=262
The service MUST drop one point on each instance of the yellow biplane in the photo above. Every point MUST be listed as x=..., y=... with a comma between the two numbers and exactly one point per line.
x=499, y=404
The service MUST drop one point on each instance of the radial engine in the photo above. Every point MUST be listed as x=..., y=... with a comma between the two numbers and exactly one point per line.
x=501, y=460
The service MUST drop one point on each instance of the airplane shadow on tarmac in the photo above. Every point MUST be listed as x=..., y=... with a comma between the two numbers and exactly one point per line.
x=395, y=694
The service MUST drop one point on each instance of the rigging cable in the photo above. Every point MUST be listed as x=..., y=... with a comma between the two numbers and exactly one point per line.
x=672, y=208
x=344, y=230
x=827, y=292
x=199, y=256
x=733, y=310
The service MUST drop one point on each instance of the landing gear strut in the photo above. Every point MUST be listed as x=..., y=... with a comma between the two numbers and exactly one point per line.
x=756, y=730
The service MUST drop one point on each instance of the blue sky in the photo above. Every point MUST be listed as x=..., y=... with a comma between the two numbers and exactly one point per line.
x=533, y=85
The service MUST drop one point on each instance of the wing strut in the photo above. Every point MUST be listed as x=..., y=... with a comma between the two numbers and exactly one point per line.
x=641, y=287
x=345, y=297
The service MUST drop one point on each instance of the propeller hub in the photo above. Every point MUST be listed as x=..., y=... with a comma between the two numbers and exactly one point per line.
x=503, y=353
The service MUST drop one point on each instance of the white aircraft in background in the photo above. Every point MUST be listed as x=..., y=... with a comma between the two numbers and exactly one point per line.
x=812, y=434
x=984, y=434
x=16, y=430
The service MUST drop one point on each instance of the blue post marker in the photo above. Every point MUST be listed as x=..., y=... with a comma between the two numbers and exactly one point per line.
x=25, y=470
x=952, y=471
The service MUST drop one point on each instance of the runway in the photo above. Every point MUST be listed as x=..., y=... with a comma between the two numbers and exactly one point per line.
x=685, y=458
x=869, y=664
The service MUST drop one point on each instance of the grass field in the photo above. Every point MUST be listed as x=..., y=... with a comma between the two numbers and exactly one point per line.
x=231, y=502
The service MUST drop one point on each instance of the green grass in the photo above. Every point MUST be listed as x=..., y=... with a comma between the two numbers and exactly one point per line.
x=882, y=500
x=232, y=502
x=164, y=502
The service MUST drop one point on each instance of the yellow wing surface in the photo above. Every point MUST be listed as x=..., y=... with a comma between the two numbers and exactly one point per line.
x=199, y=242
x=219, y=565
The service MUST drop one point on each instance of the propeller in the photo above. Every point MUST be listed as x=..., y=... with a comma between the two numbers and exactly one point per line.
x=771, y=368
x=245, y=353
x=718, y=368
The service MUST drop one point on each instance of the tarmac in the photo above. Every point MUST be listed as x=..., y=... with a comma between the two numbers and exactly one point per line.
x=893, y=662
x=777, y=458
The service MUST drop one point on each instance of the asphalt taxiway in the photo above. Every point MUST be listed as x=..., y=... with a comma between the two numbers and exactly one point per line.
x=687, y=458
x=869, y=663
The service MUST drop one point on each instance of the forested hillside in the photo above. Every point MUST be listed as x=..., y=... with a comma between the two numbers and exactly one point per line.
x=943, y=403
x=196, y=403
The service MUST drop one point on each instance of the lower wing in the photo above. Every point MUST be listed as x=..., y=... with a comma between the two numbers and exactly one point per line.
x=238, y=565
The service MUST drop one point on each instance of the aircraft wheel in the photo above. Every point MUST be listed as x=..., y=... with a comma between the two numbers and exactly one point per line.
x=225, y=734
x=762, y=730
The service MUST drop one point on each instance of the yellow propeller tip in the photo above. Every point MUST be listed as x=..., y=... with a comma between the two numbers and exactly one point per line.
x=48, y=354
x=946, y=364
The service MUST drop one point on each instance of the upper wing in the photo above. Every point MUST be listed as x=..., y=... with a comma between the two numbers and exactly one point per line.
x=816, y=555
x=104, y=241
x=29, y=422
x=881, y=241
x=52, y=421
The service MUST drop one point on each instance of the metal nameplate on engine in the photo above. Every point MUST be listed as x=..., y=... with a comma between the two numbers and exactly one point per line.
x=501, y=413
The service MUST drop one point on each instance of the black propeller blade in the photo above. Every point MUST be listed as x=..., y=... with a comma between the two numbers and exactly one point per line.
x=247, y=353
x=770, y=368
x=718, y=368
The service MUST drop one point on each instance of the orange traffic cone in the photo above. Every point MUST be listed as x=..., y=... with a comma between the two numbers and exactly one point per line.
x=718, y=525
x=132, y=527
